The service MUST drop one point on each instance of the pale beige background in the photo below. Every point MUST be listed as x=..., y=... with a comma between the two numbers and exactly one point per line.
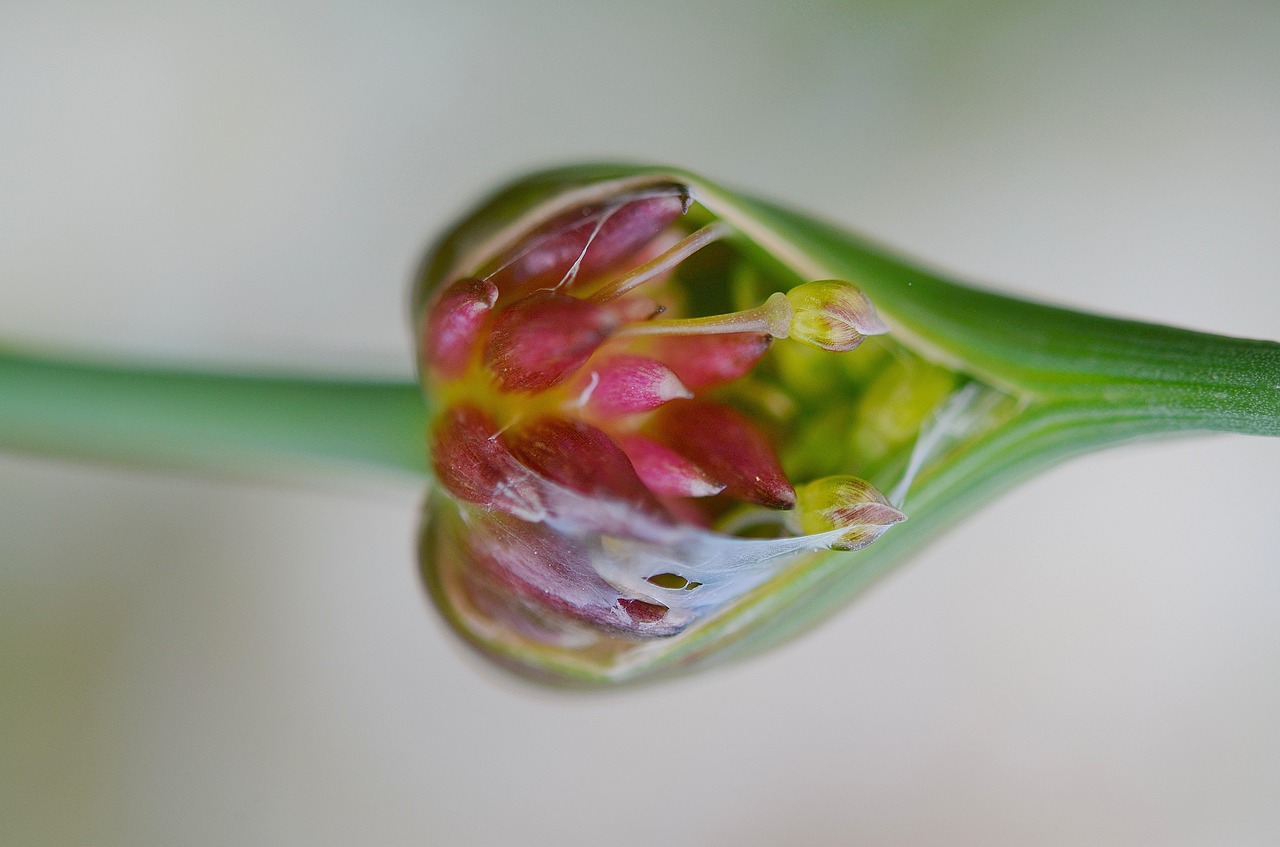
x=1095, y=659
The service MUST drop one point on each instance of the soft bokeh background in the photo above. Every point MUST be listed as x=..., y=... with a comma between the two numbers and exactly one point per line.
x=1094, y=659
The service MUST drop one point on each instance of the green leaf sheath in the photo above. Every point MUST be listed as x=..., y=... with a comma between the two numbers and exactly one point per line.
x=1176, y=379
x=211, y=421
x=1033, y=441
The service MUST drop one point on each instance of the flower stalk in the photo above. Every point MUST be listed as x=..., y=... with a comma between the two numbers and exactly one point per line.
x=667, y=424
x=188, y=419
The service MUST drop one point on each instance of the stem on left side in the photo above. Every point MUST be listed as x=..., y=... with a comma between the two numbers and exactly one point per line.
x=211, y=421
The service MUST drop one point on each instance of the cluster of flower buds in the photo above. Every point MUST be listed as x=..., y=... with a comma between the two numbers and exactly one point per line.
x=602, y=477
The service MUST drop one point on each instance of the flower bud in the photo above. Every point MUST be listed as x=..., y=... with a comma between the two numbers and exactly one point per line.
x=610, y=430
x=849, y=506
x=583, y=459
x=475, y=466
x=454, y=325
x=586, y=241
x=703, y=361
x=832, y=315
x=625, y=384
x=543, y=339
x=666, y=472
x=729, y=448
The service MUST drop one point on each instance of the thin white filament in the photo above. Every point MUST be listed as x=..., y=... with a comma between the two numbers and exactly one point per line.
x=664, y=262
x=956, y=418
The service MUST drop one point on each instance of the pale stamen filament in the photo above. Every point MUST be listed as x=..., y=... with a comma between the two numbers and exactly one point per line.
x=598, y=218
x=772, y=318
x=585, y=396
x=662, y=263
x=541, y=240
x=572, y=274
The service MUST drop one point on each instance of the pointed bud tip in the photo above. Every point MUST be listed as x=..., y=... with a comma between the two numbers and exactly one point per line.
x=729, y=448
x=626, y=384
x=832, y=315
x=846, y=503
x=452, y=325
x=666, y=472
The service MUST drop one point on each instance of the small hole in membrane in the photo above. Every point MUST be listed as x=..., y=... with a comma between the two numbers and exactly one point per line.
x=672, y=581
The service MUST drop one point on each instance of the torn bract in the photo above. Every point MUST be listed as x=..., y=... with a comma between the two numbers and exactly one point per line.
x=610, y=429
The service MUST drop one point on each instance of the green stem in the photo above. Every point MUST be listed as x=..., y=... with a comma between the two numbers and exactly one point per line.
x=212, y=421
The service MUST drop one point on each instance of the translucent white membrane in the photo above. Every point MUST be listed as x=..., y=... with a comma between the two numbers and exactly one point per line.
x=626, y=548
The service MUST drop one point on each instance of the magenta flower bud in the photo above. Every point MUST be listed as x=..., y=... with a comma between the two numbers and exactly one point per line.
x=583, y=459
x=584, y=242
x=666, y=472
x=729, y=448
x=608, y=438
x=626, y=384
x=453, y=326
x=474, y=465
x=701, y=361
x=543, y=339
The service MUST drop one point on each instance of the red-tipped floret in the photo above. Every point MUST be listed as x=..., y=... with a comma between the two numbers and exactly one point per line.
x=729, y=449
x=452, y=327
x=543, y=339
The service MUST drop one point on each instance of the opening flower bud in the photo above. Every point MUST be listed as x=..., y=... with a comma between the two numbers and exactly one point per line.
x=625, y=457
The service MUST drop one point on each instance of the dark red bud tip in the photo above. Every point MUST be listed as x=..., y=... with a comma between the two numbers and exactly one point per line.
x=729, y=448
x=541, y=340
x=581, y=458
x=641, y=611
x=630, y=228
x=453, y=324
x=587, y=241
x=626, y=384
x=473, y=464
x=705, y=360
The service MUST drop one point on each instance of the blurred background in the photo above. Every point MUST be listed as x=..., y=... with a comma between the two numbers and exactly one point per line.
x=1091, y=660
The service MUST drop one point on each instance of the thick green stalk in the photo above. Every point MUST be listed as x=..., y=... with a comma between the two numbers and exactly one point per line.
x=212, y=421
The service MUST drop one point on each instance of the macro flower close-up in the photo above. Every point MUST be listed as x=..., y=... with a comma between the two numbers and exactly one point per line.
x=608, y=452
x=663, y=414
x=505, y=423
